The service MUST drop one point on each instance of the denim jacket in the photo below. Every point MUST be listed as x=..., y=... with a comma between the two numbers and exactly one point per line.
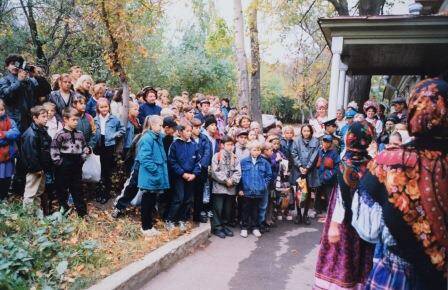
x=255, y=177
x=114, y=130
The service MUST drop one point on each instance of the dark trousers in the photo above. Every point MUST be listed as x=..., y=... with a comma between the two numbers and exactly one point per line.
x=19, y=178
x=129, y=191
x=222, y=210
x=148, y=203
x=4, y=187
x=107, y=160
x=322, y=196
x=250, y=210
x=68, y=178
x=198, y=204
x=181, y=200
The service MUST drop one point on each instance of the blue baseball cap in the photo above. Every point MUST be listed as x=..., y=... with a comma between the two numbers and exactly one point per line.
x=350, y=114
x=327, y=138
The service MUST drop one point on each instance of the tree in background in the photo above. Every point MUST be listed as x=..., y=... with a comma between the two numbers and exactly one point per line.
x=241, y=59
x=255, y=67
x=119, y=20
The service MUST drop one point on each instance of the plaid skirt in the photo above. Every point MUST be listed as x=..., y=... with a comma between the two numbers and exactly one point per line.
x=390, y=272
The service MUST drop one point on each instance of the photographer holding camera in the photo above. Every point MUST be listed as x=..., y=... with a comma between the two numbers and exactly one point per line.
x=17, y=90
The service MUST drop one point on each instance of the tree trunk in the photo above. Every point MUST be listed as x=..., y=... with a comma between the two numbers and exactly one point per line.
x=243, y=79
x=255, y=72
x=29, y=13
x=125, y=98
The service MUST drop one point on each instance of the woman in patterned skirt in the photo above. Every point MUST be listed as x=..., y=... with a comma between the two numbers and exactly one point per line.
x=345, y=260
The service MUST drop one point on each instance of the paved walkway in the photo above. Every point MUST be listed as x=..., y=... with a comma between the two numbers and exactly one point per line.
x=284, y=258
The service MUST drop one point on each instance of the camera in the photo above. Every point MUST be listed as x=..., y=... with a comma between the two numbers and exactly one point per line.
x=24, y=66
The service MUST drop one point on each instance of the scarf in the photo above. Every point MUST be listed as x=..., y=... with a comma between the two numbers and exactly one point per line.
x=415, y=175
x=353, y=164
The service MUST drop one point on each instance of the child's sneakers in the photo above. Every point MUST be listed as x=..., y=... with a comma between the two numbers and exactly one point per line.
x=182, y=226
x=169, y=226
x=116, y=213
x=152, y=232
x=256, y=233
x=243, y=233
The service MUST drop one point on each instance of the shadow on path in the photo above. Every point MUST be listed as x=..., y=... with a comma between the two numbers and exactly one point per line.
x=271, y=264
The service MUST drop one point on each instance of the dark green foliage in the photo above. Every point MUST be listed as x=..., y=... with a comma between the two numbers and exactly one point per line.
x=32, y=248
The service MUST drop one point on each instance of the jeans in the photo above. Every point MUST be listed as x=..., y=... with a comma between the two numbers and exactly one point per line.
x=148, y=203
x=263, y=207
x=222, y=210
x=250, y=213
x=181, y=200
x=129, y=191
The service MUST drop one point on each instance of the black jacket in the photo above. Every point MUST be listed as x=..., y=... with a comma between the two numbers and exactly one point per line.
x=19, y=98
x=35, y=149
x=56, y=98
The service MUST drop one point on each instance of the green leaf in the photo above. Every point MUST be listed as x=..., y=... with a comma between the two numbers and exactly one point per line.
x=62, y=266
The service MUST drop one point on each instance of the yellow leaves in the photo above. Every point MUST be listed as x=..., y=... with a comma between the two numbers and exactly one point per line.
x=122, y=27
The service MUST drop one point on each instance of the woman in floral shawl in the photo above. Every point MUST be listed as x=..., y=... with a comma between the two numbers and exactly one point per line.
x=410, y=184
x=345, y=260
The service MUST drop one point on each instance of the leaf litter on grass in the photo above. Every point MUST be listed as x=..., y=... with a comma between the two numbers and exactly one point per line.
x=76, y=251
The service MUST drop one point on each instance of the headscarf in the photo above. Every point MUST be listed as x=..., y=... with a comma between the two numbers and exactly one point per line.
x=428, y=109
x=415, y=175
x=370, y=104
x=354, y=162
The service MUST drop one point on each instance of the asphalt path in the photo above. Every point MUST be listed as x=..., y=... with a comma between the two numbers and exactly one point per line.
x=284, y=258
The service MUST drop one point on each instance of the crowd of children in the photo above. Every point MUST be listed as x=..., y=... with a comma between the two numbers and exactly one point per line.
x=194, y=158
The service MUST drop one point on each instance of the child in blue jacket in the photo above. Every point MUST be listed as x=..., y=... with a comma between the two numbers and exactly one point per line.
x=153, y=172
x=326, y=165
x=184, y=161
x=108, y=130
x=256, y=175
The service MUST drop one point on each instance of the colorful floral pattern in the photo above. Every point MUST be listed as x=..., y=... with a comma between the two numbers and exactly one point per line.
x=428, y=108
x=413, y=189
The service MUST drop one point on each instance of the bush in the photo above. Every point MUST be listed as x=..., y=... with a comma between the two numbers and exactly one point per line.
x=33, y=251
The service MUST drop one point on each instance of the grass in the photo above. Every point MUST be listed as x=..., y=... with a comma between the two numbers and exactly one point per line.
x=64, y=251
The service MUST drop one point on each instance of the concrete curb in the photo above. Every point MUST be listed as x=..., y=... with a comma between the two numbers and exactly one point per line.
x=137, y=274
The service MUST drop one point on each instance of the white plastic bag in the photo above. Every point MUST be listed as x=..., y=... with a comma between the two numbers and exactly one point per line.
x=137, y=200
x=91, y=170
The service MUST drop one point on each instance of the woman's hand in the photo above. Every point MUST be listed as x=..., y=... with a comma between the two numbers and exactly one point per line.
x=334, y=234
